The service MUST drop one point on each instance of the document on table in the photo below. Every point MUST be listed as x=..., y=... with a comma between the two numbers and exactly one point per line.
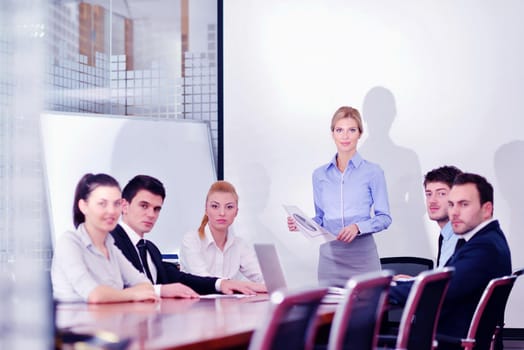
x=399, y=280
x=337, y=290
x=309, y=228
x=221, y=296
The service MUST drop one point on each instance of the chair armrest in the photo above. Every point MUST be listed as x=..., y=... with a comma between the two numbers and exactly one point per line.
x=466, y=343
x=387, y=340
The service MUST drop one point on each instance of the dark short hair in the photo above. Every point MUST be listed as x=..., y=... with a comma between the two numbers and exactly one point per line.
x=143, y=182
x=483, y=186
x=445, y=174
x=87, y=184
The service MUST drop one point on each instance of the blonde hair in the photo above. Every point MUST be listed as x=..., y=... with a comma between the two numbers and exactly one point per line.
x=347, y=112
x=219, y=186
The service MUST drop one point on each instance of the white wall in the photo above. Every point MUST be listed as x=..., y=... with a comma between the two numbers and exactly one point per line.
x=438, y=82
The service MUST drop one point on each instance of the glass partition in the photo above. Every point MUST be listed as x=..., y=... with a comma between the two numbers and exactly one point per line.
x=149, y=59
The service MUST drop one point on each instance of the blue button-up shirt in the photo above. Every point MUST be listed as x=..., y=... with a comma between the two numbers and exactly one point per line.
x=356, y=196
x=449, y=241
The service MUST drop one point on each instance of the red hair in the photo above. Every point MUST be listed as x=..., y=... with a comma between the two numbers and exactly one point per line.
x=219, y=186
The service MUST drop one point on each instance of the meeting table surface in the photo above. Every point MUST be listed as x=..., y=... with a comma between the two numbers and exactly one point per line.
x=174, y=323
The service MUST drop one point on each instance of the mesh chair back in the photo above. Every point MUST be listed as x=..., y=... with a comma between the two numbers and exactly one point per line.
x=418, y=324
x=490, y=311
x=291, y=323
x=357, y=318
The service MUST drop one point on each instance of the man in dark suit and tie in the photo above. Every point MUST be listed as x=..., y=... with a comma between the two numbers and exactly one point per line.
x=482, y=253
x=143, y=197
x=437, y=184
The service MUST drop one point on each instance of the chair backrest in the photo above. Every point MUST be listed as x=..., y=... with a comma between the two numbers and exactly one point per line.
x=357, y=319
x=518, y=272
x=172, y=259
x=291, y=323
x=418, y=324
x=407, y=265
x=490, y=311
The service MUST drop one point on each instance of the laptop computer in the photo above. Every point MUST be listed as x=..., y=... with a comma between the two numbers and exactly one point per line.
x=270, y=266
x=273, y=274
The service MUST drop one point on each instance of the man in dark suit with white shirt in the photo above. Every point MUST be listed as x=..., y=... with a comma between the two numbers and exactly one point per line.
x=143, y=198
x=482, y=254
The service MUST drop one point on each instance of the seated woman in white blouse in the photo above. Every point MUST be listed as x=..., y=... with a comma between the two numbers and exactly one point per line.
x=87, y=266
x=214, y=250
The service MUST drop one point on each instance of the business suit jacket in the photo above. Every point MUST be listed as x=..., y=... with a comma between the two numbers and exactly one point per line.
x=484, y=257
x=166, y=272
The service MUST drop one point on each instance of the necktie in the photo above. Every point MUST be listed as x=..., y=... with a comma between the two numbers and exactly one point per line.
x=440, y=239
x=142, y=249
x=460, y=243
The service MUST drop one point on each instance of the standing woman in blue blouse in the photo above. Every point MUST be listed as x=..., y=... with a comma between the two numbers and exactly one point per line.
x=351, y=202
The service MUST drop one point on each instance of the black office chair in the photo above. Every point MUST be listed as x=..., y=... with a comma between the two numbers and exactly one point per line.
x=498, y=342
x=418, y=324
x=518, y=272
x=100, y=340
x=489, y=312
x=406, y=265
x=291, y=323
x=172, y=259
x=357, y=319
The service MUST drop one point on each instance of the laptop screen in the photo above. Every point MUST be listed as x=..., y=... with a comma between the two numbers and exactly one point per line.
x=270, y=265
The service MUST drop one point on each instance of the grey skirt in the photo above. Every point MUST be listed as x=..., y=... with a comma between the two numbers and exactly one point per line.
x=339, y=261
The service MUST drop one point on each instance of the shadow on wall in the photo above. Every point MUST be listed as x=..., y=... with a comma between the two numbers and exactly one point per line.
x=297, y=255
x=407, y=234
x=509, y=174
x=253, y=191
x=509, y=178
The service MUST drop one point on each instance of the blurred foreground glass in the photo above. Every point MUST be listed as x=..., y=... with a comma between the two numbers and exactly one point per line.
x=127, y=57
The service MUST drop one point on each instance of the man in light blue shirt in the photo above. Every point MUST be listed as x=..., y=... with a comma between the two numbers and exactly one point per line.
x=437, y=184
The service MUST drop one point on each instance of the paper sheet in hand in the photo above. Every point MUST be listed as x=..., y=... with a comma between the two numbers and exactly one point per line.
x=311, y=230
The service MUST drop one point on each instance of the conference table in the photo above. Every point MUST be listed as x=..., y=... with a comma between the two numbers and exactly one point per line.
x=217, y=323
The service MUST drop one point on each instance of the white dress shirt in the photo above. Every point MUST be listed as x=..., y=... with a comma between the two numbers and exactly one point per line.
x=135, y=237
x=203, y=257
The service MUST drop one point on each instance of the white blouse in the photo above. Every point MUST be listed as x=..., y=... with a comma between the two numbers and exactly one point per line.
x=78, y=267
x=203, y=257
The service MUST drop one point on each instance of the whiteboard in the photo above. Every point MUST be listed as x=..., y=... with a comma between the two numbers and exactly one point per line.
x=177, y=152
